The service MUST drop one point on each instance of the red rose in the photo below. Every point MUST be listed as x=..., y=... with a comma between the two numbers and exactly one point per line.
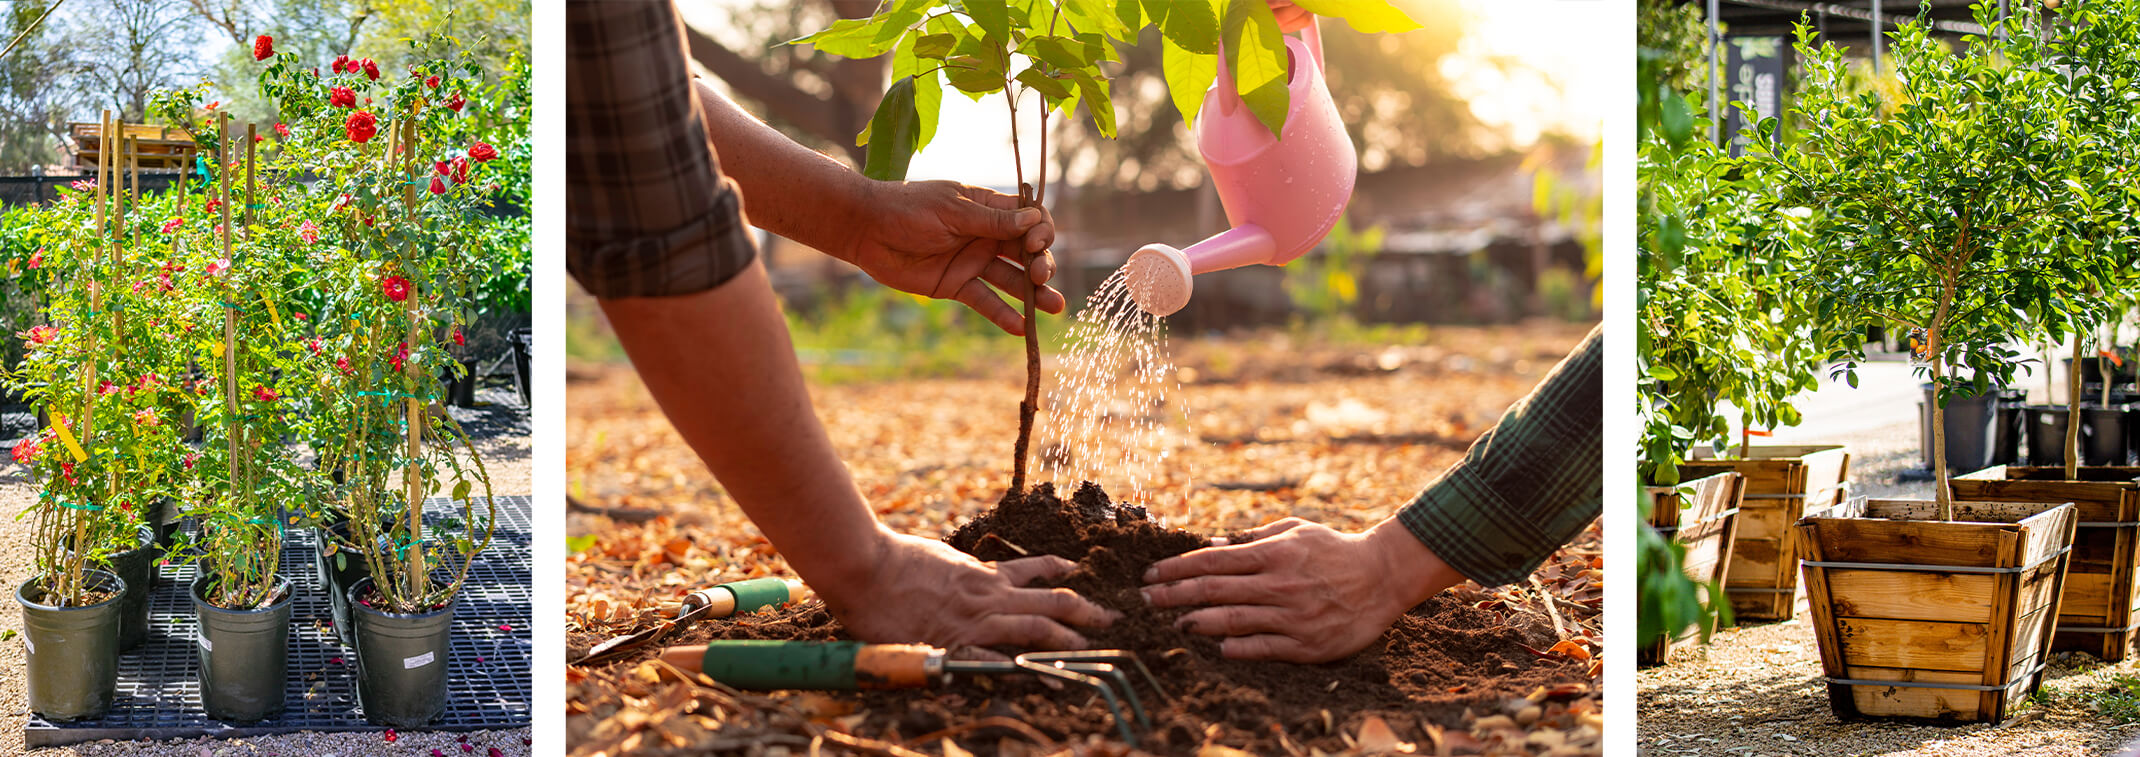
x=341, y=62
x=37, y=259
x=401, y=356
x=460, y=170
x=342, y=363
x=438, y=186
x=265, y=394
x=361, y=126
x=396, y=287
x=191, y=458
x=282, y=130
x=482, y=152
x=457, y=338
x=40, y=335
x=456, y=103
x=212, y=205
x=342, y=97
x=263, y=47
x=371, y=69
x=443, y=168
x=431, y=82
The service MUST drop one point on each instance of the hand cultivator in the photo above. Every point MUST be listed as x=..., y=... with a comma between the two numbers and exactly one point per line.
x=717, y=602
x=852, y=665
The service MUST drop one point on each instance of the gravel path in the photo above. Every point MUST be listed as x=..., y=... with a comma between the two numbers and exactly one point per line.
x=1755, y=690
x=499, y=431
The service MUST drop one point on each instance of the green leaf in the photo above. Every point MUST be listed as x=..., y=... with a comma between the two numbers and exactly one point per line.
x=1057, y=51
x=1663, y=372
x=1131, y=14
x=1095, y=96
x=934, y=46
x=578, y=544
x=992, y=17
x=1256, y=56
x=461, y=489
x=928, y=105
x=861, y=37
x=894, y=132
x=971, y=75
x=1368, y=16
x=1053, y=89
x=1678, y=119
x=1189, y=76
x=1194, y=25
x=1092, y=16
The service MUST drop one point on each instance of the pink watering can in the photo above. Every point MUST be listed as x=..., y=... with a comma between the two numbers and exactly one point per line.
x=1282, y=196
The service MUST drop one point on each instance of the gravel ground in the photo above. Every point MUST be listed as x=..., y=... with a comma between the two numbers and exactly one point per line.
x=499, y=430
x=1755, y=690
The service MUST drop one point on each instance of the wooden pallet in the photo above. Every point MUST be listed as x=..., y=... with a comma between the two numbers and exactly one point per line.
x=2100, y=610
x=1704, y=525
x=158, y=148
x=1929, y=620
x=1783, y=484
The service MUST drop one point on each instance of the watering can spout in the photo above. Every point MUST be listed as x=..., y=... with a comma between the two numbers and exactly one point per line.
x=1282, y=192
x=1160, y=277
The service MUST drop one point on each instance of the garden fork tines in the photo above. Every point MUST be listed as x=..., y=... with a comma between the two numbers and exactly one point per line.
x=1102, y=671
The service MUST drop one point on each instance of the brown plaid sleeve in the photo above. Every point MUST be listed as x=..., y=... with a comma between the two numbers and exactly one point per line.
x=648, y=212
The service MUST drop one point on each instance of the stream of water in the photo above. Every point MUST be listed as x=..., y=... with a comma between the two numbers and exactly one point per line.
x=1112, y=399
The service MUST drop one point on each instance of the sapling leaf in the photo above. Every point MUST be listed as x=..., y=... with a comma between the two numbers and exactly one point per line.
x=1054, y=89
x=1194, y=25
x=928, y=105
x=934, y=46
x=1056, y=51
x=1188, y=77
x=1094, y=93
x=1091, y=15
x=1367, y=16
x=993, y=18
x=857, y=37
x=1131, y=14
x=894, y=131
x=1256, y=56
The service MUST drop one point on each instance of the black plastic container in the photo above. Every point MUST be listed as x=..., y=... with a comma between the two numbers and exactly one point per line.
x=401, y=661
x=244, y=655
x=523, y=341
x=461, y=389
x=2006, y=438
x=137, y=568
x=339, y=572
x=2103, y=435
x=1972, y=429
x=72, y=665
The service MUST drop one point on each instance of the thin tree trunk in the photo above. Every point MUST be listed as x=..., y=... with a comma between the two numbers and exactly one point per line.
x=1942, y=492
x=2073, y=412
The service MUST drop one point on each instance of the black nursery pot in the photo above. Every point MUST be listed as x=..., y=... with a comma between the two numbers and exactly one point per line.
x=461, y=391
x=137, y=569
x=1972, y=429
x=338, y=573
x=73, y=662
x=2103, y=435
x=2006, y=438
x=401, y=661
x=523, y=341
x=244, y=655
x=164, y=516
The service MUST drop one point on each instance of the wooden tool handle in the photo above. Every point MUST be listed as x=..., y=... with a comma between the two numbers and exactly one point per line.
x=739, y=597
x=767, y=665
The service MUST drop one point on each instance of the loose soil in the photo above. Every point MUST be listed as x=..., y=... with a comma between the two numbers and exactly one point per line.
x=1438, y=661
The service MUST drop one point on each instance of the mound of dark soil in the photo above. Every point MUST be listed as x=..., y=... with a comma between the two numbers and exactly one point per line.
x=1438, y=660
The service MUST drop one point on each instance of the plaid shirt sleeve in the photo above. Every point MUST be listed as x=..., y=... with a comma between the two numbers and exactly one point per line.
x=648, y=212
x=1527, y=486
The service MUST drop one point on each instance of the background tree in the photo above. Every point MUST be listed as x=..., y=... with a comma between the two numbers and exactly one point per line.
x=125, y=50
x=33, y=95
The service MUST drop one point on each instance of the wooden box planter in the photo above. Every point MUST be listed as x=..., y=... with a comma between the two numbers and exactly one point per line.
x=1783, y=484
x=2100, y=607
x=1705, y=528
x=1942, y=621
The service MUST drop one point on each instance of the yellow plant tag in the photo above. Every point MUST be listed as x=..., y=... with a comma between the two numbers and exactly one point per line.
x=59, y=424
x=272, y=313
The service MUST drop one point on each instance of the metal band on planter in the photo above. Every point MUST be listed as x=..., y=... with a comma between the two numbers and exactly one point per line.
x=2106, y=524
x=1907, y=568
x=1669, y=530
x=2018, y=680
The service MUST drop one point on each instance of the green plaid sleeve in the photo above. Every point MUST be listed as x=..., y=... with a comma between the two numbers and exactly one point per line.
x=1528, y=485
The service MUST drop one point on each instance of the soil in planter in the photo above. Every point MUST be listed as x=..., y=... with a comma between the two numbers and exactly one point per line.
x=1437, y=661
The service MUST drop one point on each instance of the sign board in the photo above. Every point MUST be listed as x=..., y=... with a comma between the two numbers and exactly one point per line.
x=1753, y=73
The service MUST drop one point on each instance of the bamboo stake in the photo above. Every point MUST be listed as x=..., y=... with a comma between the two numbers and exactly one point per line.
x=413, y=470
x=234, y=429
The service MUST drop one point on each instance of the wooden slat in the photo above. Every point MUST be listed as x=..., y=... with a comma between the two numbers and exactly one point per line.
x=1912, y=644
x=2002, y=635
x=1896, y=541
x=1951, y=597
x=2099, y=501
x=2087, y=599
x=1914, y=702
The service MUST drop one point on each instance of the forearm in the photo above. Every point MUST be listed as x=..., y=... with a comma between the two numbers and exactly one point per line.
x=1526, y=486
x=721, y=366
x=788, y=189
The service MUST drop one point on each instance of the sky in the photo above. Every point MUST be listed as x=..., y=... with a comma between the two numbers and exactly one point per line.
x=1560, y=85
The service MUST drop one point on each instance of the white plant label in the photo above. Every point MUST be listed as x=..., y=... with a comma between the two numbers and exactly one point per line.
x=411, y=663
x=207, y=645
x=31, y=644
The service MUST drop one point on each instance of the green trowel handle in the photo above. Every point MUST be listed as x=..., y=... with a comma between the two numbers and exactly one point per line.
x=739, y=597
x=765, y=665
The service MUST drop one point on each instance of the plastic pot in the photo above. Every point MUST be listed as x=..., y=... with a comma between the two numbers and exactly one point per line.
x=523, y=341
x=1972, y=429
x=137, y=569
x=73, y=652
x=2006, y=438
x=244, y=655
x=338, y=576
x=460, y=390
x=401, y=661
x=164, y=517
x=2103, y=435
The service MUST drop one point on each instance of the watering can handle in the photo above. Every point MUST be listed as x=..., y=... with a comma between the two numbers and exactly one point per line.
x=1230, y=100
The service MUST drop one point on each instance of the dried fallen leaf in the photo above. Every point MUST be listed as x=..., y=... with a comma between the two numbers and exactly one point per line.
x=1376, y=736
x=1570, y=648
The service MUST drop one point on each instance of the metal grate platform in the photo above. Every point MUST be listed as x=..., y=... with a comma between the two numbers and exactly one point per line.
x=490, y=681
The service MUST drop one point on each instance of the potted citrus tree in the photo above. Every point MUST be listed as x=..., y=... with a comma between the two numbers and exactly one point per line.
x=1922, y=210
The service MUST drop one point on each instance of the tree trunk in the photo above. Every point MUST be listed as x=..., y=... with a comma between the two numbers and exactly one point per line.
x=1031, y=404
x=2073, y=412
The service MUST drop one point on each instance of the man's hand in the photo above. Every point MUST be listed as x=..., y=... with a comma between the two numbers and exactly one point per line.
x=1301, y=591
x=922, y=590
x=951, y=241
